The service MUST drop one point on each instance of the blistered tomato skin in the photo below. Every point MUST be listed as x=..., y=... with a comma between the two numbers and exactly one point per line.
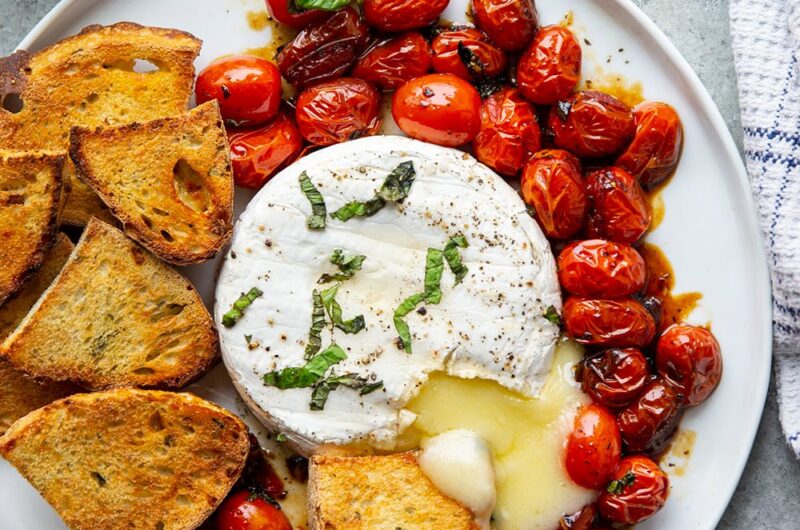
x=594, y=447
x=615, y=377
x=324, y=50
x=336, y=111
x=648, y=422
x=509, y=133
x=258, y=154
x=467, y=53
x=592, y=124
x=617, y=323
x=618, y=206
x=291, y=16
x=550, y=68
x=441, y=109
x=511, y=24
x=655, y=150
x=394, y=61
x=643, y=491
x=552, y=184
x=601, y=269
x=402, y=15
x=689, y=359
x=247, y=88
x=242, y=511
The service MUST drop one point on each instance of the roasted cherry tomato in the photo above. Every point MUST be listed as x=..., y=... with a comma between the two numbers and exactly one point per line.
x=392, y=62
x=509, y=132
x=655, y=150
x=614, y=377
x=438, y=108
x=592, y=124
x=511, y=24
x=324, y=50
x=552, y=184
x=648, y=422
x=638, y=491
x=608, y=323
x=550, y=68
x=581, y=520
x=467, y=53
x=336, y=111
x=286, y=12
x=619, y=211
x=402, y=15
x=594, y=447
x=248, y=89
x=244, y=511
x=689, y=359
x=601, y=269
x=257, y=154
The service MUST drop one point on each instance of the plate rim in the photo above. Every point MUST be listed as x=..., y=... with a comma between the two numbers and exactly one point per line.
x=697, y=89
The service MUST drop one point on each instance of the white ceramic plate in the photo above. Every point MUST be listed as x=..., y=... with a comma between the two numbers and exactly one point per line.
x=709, y=231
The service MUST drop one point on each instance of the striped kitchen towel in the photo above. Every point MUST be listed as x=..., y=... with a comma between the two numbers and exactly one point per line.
x=766, y=43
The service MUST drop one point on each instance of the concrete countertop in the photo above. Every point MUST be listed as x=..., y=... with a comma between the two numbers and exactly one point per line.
x=769, y=494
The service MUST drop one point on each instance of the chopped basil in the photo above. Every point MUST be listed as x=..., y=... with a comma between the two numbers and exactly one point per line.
x=317, y=325
x=395, y=188
x=348, y=266
x=552, y=315
x=230, y=318
x=434, y=267
x=308, y=375
x=453, y=256
x=369, y=389
x=359, y=209
x=615, y=487
x=319, y=396
x=325, y=5
x=318, y=211
x=280, y=438
x=471, y=61
x=400, y=325
x=334, y=310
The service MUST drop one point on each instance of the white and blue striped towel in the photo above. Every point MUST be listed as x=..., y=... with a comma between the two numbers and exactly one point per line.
x=766, y=43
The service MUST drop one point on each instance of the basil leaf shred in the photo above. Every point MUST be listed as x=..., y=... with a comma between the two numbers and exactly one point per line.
x=395, y=188
x=348, y=267
x=453, y=257
x=308, y=375
x=317, y=325
x=334, y=311
x=318, y=210
x=230, y=318
x=324, y=5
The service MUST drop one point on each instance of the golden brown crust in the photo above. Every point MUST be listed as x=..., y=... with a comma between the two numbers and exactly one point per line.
x=168, y=181
x=115, y=316
x=129, y=459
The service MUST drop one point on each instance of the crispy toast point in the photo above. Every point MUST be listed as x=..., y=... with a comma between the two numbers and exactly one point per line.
x=98, y=77
x=115, y=316
x=129, y=459
x=379, y=492
x=168, y=181
x=31, y=196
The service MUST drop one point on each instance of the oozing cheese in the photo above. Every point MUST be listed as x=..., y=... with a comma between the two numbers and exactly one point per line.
x=491, y=326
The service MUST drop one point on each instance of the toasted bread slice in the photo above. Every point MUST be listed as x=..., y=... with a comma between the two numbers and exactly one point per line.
x=129, y=459
x=21, y=394
x=31, y=187
x=91, y=79
x=168, y=181
x=115, y=316
x=379, y=492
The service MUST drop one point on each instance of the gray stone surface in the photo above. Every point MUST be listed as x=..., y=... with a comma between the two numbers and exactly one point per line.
x=769, y=494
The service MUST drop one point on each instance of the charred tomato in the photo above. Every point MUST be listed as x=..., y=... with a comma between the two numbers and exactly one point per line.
x=608, y=323
x=602, y=269
x=614, y=377
x=402, y=15
x=689, y=359
x=638, y=490
x=550, y=68
x=391, y=62
x=467, y=53
x=247, y=511
x=511, y=24
x=594, y=447
x=648, y=422
x=591, y=124
x=258, y=154
x=287, y=12
x=619, y=211
x=336, y=111
x=552, y=185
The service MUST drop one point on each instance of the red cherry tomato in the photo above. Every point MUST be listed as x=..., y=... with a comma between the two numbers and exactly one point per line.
x=608, y=323
x=550, y=68
x=402, y=15
x=639, y=490
x=438, y=108
x=258, y=154
x=511, y=24
x=614, y=377
x=619, y=211
x=552, y=184
x=324, y=50
x=655, y=150
x=602, y=269
x=336, y=111
x=594, y=447
x=689, y=359
x=648, y=423
x=394, y=61
x=509, y=132
x=285, y=12
x=248, y=89
x=592, y=124
x=244, y=511
x=467, y=53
